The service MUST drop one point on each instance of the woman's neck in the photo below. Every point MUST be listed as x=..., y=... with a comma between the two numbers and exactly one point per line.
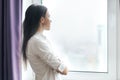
x=41, y=29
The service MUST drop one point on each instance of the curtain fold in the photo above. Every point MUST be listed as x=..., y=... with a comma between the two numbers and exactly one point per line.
x=10, y=30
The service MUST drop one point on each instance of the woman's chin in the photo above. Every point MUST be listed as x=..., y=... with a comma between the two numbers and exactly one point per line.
x=47, y=29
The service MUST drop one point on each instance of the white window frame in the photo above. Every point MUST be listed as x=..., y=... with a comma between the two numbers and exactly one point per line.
x=112, y=7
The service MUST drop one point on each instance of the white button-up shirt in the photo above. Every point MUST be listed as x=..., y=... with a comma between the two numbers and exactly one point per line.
x=41, y=58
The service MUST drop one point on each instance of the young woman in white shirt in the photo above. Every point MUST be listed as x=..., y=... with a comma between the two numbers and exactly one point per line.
x=36, y=48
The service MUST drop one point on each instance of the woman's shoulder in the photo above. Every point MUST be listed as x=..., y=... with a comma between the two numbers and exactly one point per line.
x=38, y=41
x=37, y=38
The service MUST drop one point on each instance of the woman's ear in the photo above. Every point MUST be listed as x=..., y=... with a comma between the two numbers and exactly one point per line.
x=42, y=20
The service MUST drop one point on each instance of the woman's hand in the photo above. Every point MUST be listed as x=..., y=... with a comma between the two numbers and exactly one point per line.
x=64, y=72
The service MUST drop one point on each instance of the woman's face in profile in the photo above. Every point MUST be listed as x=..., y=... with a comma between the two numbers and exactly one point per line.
x=47, y=21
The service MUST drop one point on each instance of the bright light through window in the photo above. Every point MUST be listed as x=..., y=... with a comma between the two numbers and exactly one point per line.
x=79, y=33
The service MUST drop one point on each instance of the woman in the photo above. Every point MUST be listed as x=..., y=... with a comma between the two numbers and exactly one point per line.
x=36, y=48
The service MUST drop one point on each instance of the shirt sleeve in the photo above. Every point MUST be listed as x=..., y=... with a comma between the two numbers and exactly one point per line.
x=42, y=50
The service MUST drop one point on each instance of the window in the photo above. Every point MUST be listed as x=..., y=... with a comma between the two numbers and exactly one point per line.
x=79, y=33
x=103, y=33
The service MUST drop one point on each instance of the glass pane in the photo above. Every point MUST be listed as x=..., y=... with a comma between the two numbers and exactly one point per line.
x=79, y=33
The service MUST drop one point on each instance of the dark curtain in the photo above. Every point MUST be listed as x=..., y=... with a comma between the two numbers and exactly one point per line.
x=10, y=30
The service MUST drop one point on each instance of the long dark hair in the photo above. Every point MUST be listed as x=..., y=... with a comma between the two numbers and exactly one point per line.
x=31, y=24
